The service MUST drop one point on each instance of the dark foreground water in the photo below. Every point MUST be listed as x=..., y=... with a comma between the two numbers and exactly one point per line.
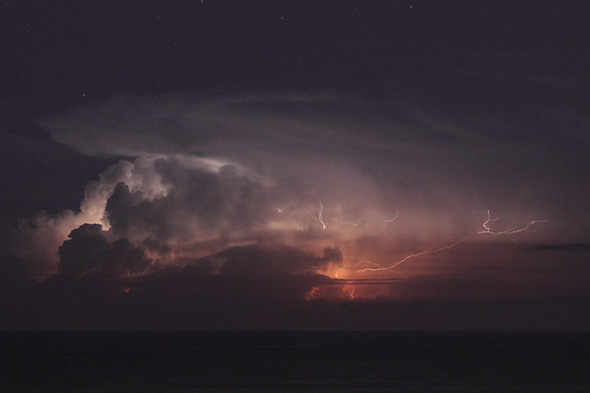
x=294, y=362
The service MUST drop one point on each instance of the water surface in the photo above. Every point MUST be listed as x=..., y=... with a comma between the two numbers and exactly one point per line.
x=294, y=362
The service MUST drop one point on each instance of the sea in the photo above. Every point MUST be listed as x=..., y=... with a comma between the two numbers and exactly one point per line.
x=232, y=362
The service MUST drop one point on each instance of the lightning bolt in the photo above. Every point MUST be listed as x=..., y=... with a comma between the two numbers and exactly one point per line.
x=367, y=262
x=320, y=218
x=488, y=230
x=411, y=256
x=356, y=224
x=387, y=221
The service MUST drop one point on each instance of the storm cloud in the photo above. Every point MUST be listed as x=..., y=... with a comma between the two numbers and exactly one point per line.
x=215, y=166
x=88, y=250
x=397, y=148
x=376, y=177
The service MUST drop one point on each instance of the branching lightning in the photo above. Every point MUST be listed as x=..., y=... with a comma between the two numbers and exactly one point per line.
x=365, y=265
x=488, y=230
x=531, y=226
x=411, y=256
x=365, y=261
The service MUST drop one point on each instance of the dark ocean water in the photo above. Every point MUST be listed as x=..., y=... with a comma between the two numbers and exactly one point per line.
x=294, y=362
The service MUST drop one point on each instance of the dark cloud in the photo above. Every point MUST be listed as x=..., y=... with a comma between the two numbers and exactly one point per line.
x=195, y=297
x=573, y=247
x=256, y=260
x=89, y=251
x=83, y=251
x=331, y=254
x=128, y=213
x=96, y=287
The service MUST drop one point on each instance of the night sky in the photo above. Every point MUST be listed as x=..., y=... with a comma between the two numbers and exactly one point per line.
x=295, y=165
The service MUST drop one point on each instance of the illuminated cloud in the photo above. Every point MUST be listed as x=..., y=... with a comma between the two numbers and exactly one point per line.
x=360, y=173
x=302, y=170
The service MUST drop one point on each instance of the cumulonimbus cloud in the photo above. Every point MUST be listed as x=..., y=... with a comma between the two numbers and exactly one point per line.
x=308, y=171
